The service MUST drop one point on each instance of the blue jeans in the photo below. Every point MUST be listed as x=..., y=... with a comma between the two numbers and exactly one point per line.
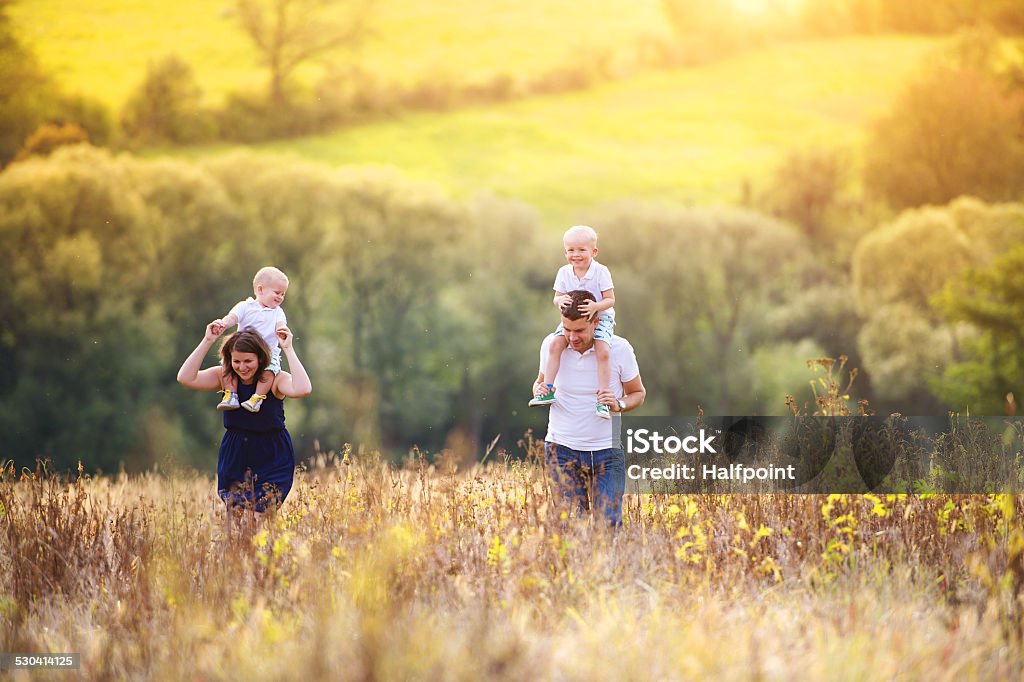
x=595, y=479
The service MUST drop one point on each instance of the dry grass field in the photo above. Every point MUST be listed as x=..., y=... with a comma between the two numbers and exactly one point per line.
x=425, y=572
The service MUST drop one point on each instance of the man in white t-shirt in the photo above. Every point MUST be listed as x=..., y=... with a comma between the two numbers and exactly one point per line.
x=581, y=449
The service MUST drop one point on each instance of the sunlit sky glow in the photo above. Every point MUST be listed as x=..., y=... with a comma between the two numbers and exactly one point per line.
x=763, y=7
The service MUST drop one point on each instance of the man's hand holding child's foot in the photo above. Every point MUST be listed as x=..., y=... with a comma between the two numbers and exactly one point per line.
x=543, y=394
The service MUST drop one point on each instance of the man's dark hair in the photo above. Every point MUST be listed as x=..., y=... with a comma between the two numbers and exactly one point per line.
x=572, y=311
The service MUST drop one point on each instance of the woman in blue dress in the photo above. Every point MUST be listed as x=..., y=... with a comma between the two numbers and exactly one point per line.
x=256, y=463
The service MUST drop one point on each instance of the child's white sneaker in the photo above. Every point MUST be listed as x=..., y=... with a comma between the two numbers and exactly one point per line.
x=602, y=411
x=230, y=401
x=253, y=403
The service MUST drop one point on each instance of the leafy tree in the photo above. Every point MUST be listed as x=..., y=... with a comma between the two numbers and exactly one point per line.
x=836, y=17
x=289, y=33
x=27, y=95
x=903, y=349
x=806, y=187
x=49, y=137
x=780, y=370
x=88, y=114
x=62, y=226
x=405, y=243
x=991, y=300
x=115, y=265
x=909, y=260
x=373, y=259
x=167, y=106
x=695, y=287
x=292, y=213
x=897, y=271
x=112, y=263
x=957, y=128
x=821, y=310
x=502, y=304
x=30, y=99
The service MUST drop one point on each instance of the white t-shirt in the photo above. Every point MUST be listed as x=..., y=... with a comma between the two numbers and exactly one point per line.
x=264, y=321
x=597, y=279
x=572, y=421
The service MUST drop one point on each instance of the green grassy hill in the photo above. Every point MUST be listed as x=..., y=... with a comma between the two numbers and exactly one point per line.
x=693, y=135
x=689, y=135
x=102, y=47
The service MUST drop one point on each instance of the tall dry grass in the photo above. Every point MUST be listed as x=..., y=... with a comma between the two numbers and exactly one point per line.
x=373, y=572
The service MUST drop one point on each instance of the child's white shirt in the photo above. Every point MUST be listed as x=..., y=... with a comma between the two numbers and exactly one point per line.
x=264, y=321
x=597, y=279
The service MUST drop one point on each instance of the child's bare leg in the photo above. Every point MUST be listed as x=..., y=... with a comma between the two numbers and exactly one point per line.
x=604, y=374
x=604, y=363
x=263, y=386
x=550, y=371
x=229, y=392
x=265, y=382
x=558, y=344
x=228, y=382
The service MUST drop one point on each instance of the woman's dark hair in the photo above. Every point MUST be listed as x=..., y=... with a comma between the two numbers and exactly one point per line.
x=245, y=341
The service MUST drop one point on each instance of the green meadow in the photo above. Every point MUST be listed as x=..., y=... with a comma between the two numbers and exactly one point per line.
x=692, y=135
x=102, y=47
x=698, y=135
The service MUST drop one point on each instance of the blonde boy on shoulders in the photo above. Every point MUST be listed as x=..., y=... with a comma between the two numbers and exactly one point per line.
x=263, y=313
x=582, y=272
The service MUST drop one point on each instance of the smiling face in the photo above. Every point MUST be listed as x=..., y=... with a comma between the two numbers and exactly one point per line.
x=245, y=365
x=243, y=354
x=271, y=293
x=579, y=252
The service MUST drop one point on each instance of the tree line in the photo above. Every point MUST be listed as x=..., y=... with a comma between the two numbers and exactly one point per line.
x=420, y=317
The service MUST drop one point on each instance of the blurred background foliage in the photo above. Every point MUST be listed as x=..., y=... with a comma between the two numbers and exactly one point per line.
x=773, y=181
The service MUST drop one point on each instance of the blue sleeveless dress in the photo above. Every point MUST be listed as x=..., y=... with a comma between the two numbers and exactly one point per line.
x=256, y=464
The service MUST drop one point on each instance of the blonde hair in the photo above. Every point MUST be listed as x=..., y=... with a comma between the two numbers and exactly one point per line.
x=580, y=232
x=268, y=274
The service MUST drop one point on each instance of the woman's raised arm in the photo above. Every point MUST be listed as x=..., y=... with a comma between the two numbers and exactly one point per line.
x=190, y=375
x=295, y=384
